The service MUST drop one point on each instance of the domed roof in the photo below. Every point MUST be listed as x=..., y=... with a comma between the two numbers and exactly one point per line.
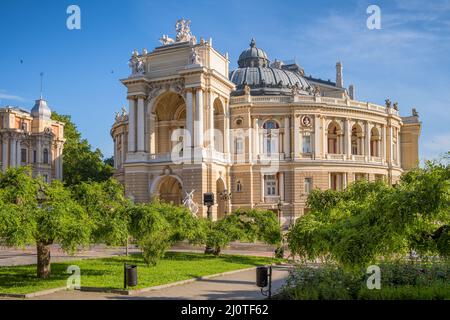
x=254, y=71
x=253, y=57
x=41, y=110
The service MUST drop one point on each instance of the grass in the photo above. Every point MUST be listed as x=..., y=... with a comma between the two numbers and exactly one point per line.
x=108, y=272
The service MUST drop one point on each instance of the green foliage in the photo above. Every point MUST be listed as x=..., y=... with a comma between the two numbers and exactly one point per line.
x=399, y=280
x=368, y=220
x=244, y=225
x=80, y=162
x=157, y=226
x=106, y=207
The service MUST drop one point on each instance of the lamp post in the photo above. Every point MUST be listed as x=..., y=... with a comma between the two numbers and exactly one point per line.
x=208, y=201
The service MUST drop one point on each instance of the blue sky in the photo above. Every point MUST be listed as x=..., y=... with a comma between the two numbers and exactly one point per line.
x=407, y=60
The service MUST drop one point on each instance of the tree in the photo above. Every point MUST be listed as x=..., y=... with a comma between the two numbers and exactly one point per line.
x=80, y=162
x=106, y=206
x=243, y=225
x=32, y=211
x=368, y=220
x=157, y=226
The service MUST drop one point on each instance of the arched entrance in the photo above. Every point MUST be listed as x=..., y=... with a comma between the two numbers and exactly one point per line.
x=221, y=204
x=170, y=190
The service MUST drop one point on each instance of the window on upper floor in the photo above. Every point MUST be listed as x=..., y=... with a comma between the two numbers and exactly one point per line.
x=271, y=129
x=271, y=185
x=239, y=145
x=23, y=155
x=238, y=186
x=46, y=159
x=306, y=144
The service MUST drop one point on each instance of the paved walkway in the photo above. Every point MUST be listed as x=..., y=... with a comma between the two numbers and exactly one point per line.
x=240, y=285
x=27, y=256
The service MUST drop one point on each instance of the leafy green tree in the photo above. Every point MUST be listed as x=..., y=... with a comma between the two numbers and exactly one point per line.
x=106, y=207
x=32, y=211
x=243, y=225
x=157, y=226
x=371, y=219
x=80, y=162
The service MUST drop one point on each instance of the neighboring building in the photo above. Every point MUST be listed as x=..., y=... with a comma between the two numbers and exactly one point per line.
x=278, y=133
x=32, y=139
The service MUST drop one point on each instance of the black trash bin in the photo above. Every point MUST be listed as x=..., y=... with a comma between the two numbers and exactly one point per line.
x=130, y=275
x=262, y=275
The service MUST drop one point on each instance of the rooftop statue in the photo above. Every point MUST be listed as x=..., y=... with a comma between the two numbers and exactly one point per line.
x=165, y=40
x=137, y=65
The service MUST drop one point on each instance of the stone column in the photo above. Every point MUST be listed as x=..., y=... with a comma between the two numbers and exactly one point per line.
x=368, y=140
x=199, y=118
x=132, y=125
x=348, y=139
x=227, y=133
x=188, y=139
x=122, y=149
x=256, y=134
x=5, y=154
x=317, y=135
x=281, y=182
x=12, y=150
x=297, y=138
x=211, y=122
x=18, y=154
x=140, y=125
x=324, y=138
x=398, y=148
x=287, y=137
x=152, y=134
x=383, y=142
x=262, y=187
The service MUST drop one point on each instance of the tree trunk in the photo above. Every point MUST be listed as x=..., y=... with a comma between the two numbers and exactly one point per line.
x=43, y=261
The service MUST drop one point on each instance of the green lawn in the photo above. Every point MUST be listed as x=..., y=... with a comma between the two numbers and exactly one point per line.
x=108, y=272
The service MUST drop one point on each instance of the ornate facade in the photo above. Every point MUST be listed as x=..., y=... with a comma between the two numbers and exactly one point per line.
x=262, y=136
x=32, y=139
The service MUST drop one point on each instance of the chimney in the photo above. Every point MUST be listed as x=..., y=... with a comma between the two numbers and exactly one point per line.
x=339, y=77
x=351, y=91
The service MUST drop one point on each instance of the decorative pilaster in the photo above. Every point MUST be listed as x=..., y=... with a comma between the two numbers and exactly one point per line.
x=348, y=138
x=287, y=137
x=132, y=125
x=199, y=118
x=140, y=125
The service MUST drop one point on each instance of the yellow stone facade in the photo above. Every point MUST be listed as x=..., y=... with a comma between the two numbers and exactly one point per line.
x=194, y=125
x=32, y=139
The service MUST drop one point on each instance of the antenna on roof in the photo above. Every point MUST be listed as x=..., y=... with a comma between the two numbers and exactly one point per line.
x=42, y=77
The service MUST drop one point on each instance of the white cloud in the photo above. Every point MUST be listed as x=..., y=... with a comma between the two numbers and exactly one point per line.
x=11, y=97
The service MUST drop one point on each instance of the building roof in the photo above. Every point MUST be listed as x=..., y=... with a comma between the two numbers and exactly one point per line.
x=41, y=110
x=254, y=71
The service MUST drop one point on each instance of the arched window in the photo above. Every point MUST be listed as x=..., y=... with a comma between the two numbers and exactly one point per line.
x=357, y=140
x=271, y=137
x=375, y=142
x=46, y=156
x=334, y=137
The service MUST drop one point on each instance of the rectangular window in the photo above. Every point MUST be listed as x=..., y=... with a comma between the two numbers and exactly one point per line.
x=271, y=185
x=306, y=144
x=23, y=155
x=308, y=185
x=337, y=181
x=239, y=146
x=34, y=156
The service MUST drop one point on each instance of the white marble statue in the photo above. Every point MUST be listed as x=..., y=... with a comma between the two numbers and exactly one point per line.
x=189, y=203
x=183, y=30
x=137, y=65
x=165, y=40
x=194, y=58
